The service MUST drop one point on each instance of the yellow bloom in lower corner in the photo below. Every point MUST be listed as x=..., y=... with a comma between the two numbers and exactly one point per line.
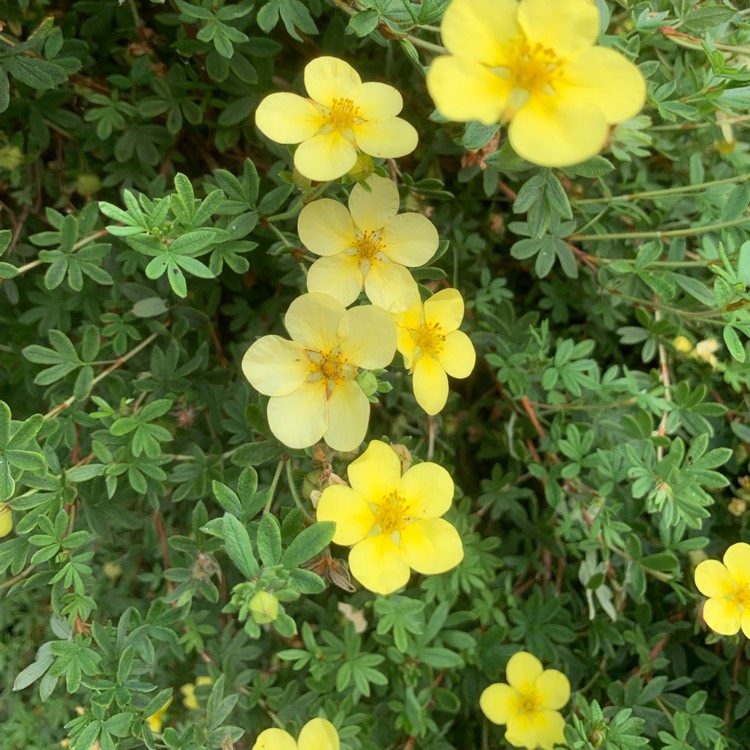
x=393, y=521
x=317, y=734
x=156, y=719
x=529, y=704
x=728, y=588
x=6, y=520
x=188, y=692
x=432, y=345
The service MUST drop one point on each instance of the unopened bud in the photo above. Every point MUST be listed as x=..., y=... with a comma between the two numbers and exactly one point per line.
x=6, y=520
x=264, y=607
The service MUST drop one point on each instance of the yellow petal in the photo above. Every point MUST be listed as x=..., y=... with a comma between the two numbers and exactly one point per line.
x=389, y=138
x=722, y=615
x=376, y=473
x=521, y=731
x=188, y=697
x=430, y=385
x=552, y=689
x=410, y=239
x=498, y=702
x=737, y=560
x=522, y=671
x=431, y=546
x=318, y=734
x=275, y=739
x=390, y=286
x=367, y=336
x=326, y=156
x=713, y=579
x=287, y=118
x=406, y=345
x=480, y=30
x=378, y=101
x=378, y=565
x=275, y=366
x=313, y=321
x=428, y=489
x=156, y=719
x=6, y=520
x=552, y=133
x=338, y=276
x=328, y=78
x=564, y=26
x=458, y=357
x=299, y=419
x=550, y=729
x=350, y=512
x=606, y=79
x=348, y=417
x=372, y=210
x=446, y=308
x=464, y=90
x=745, y=622
x=325, y=227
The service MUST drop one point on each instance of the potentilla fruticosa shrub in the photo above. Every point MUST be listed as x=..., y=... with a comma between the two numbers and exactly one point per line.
x=374, y=374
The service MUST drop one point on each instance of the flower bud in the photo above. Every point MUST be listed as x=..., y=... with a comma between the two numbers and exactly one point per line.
x=264, y=607
x=6, y=520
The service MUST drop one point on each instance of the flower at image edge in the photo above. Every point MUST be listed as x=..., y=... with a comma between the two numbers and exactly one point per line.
x=6, y=520
x=528, y=704
x=535, y=64
x=340, y=118
x=317, y=734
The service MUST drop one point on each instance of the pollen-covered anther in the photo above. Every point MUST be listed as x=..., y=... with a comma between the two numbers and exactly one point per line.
x=367, y=246
x=393, y=514
x=430, y=338
x=343, y=114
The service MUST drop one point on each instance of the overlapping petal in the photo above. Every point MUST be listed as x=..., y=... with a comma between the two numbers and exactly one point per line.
x=549, y=727
x=378, y=565
x=325, y=156
x=499, y=702
x=300, y=419
x=428, y=490
x=565, y=26
x=480, y=30
x=373, y=209
x=349, y=510
x=329, y=78
x=339, y=276
x=431, y=545
x=458, y=356
x=552, y=689
x=722, y=615
x=430, y=385
x=713, y=579
x=389, y=138
x=318, y=734
x=376, y=473
x=367, y=336
x=410, y=239
x=325, y=227
x=378, y=101
x=446, y=308
x=522, y=671
x=275, y=739
x=348, y=416
x=275, y=366
x=737, y=561
x=287, y=118
x=313, y=321
x=390, y=286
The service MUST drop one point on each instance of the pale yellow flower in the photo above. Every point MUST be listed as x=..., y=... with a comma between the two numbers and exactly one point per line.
x=534, y=64
x=317, y=734
x=340, y=118
x=188, y=692
x=312, y=378
x=393, y=521
x=705, y=351
x=6, y=520
x=367, y=246
x=432, y=345
x=529, y=704
x=156, y=719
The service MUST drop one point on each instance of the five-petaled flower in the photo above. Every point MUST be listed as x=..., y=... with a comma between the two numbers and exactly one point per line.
x=534, y=63
x=367, y=246
x=340, y=118
x=317, y=734
x=728, y=588
x=393, y=521
x=6, y=520
x=311, y=379
x=432, y=345
x=529, y=704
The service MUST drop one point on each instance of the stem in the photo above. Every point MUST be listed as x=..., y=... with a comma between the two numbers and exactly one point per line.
x=274, y=485
x=438, y=49
x=658, y=235
x=280, y=235
x=293, y=489
x=12, y=581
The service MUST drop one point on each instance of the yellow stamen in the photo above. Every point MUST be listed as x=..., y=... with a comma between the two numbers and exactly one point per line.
x=342, y=115
x=392, y=514
x=331, y=366
x=367, y=246
x=430, y=339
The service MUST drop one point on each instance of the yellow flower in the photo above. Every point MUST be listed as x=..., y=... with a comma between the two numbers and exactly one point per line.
x=728, y=588
x=529, y=704
x=156, y=719
x=705, y=351
x=366, y=246
x=340, y=118
x=188, y=692
x=393, y=521
x=311, y=379
x=432, y=345
x=682, y=344
x=6, y=520
x=534, y=63
x=317, y=734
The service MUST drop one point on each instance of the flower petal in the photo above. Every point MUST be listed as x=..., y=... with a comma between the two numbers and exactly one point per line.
x=522, y=671
x=480, y=30
x=550, y=729
x=552, y=689
x=428, y=489
x=348, y=417
x=318, y=734
x=350, y=512
x=737, y=560
x=745, y=622
x=326, y=156
x=275, y=366
x=446, y=308
x=275, y=739
x=410, y=239
x=378, y=565
x=389, y=138
x=713, y=579
x=458, y=357
x=431, y=546
x=464, y=90
x=287, y=118
x=299, y=419
x=336, y=275
x=328, y=78
x=564, y=26
x=722, y=615
x=378, y=101
x=521, y=731
x=498, y=702
x=325, y=227
x=376, y=473
x=313, y=320
x=367, y=336
x=406, y=345
x=430, y=385
x=390, y=286
x=372, y=210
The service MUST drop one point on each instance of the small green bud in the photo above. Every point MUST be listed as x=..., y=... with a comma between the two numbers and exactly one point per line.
x=11, y=157
x=264, y=607
x=368, y=383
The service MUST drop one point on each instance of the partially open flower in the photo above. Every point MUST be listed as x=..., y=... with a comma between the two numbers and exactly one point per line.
x=317, y=734
x=157, y=718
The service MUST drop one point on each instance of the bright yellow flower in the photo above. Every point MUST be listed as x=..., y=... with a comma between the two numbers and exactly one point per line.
x=393, y=521
x=6, y=520
x=728, y=588
x=529, y=704
x=340, y=118
x=432, y=345
x=682, y=344
x=311, y=379
x=157, y=718
x=534, y=63
x=188, y=692
x=367, y=246
x=318, y=734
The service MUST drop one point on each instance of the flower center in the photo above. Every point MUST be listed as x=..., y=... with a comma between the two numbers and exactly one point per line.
x=430, y=339
x=342, y=115
x=528, y=705
x=392, y=514
x=742, y=596
x=333, y=367
x=533, y=68
x=368, y=245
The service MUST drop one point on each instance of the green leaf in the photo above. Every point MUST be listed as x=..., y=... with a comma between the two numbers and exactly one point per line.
x=732, y=340
x=269, y=539
x=239, y=548
x=227, y=498
x=4, y=92
x=35, y=72
x=308, y=543
x=150, y=307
